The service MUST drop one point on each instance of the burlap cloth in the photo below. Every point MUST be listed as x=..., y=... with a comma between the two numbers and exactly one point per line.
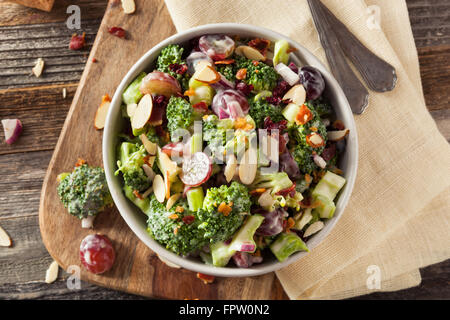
x=398, y=217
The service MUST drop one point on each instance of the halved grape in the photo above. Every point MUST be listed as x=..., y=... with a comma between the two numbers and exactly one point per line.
x=97, y=253
x=312, y=80
x=273, y=222
x=230, y=104
x=194, y=58
x=216, y=46
x=196, y=169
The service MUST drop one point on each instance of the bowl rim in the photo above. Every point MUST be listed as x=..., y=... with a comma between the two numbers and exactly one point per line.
x=123, y=204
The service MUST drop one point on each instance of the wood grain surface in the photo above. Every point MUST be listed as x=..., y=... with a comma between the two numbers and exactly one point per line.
x=38, y=102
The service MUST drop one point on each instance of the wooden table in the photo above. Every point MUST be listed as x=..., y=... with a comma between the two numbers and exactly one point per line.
x=27, y=34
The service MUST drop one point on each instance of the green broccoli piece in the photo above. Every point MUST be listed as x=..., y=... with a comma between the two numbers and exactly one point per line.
x=228, y=70
x=180, y=115
x=172, y=55
x=303, y=152
x=132, y=94
x=215, y=224
x=215, y=133
x=321, y=106
x=152, y=136
x=261, y=75
x=175, y=234
x=276, y=181
x=260, y=109
x=130, y=164
x=84, y=192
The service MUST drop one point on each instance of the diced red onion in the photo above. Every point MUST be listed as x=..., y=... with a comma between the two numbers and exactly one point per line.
x=287, y=74
x=12, y=129
x=320, y=161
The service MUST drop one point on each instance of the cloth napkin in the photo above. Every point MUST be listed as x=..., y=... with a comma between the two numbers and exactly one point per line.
x=398, y=217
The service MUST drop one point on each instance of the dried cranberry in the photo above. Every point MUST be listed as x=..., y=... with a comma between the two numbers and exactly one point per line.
x=281, y=89
x=200, y=107
x=178, y=68
x=259, y=44
x=329, y=152
x=188, y=219
x=244, y=88
x=117, y=31
x=274, y=100
x=77, y=42
x=293, y=67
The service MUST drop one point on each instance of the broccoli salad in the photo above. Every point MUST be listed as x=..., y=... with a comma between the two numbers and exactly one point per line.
x=231, y=150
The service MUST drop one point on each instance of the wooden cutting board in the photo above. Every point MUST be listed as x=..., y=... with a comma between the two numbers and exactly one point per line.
x=137, y=269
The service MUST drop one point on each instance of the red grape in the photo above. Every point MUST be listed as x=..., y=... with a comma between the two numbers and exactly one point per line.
x=230, y=104
x=194, y=58
x=273, y=222
x=312, y=80
x=97, y=253
x=216, y=46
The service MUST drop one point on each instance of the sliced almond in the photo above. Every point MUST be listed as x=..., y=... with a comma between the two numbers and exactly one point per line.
x=147, y=192
x=102, y=111
x=148, y=171
x=297, y=94
x=315, y=227
x=5, y=240
x=337, y=135
x=266, y=199
x=52, y=272
x=172, y=200
x=128, y=6
x=250, y=53
x=230, y=168
x=158, y=188
x=151, y=161
x=131, y=108
x=207, y=74
x=168, y=263
x=151, y=147
x=248, y=166
x=38, y=67
x=201, y=64
x=143, y=112
x=316, y=139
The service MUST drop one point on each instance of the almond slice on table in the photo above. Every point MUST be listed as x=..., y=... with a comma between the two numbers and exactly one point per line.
x=207, y=74
x=52, y=272
x=248, y=166
x=158, y=188
x=337, y=135
x=168, y=263
x=102, y=111
x=315, y=227
x=172, y=200
x=128, y=6
x=143, y=112
x=250, y=53
x=5, y=240
x=38, y=67
x=230, y=168
x=297, y=94
x=149, y=146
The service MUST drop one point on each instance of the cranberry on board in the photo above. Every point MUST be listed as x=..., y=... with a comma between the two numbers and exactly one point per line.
x=97, y=253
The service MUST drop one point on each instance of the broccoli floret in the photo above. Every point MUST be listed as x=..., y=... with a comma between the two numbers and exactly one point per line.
x=84, y=192
x=130, y=164
x=215, y=132
x=276, y=181
x=180, y=115
x=152, y=136
x=216, y=225
x=260, y=75
x=303, y=152
x=261, y=109
x=172, y=55
x=175, y=234
x=228, y=70
x=321, y=106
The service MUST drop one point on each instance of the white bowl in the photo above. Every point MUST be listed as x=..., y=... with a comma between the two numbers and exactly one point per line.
x=136, y=219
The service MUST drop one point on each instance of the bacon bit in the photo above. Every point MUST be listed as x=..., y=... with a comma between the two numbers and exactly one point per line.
x=241, y=74
x=190, y=92
x=224, y=209
x=138, y=195
x=175, y=230
x=188, y=219
x=315, y=140
x=173, y=216
x=94, y=60
x=313, y=129
x=290, y=223
x=291, y=49
x=257, y=192
x=255, y=63
x=178, y=68
x=77, y=42
x=288, y=191
x=303, y=116
x=338, y=124
x=205, y=278
x=260, y=44
x=227, y=61
x=80, y=162
x=117, y=31
x=308, y=178
x=201, y=106
x=179, y=209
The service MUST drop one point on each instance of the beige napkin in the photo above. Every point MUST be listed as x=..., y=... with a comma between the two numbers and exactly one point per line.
x=397, y=219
